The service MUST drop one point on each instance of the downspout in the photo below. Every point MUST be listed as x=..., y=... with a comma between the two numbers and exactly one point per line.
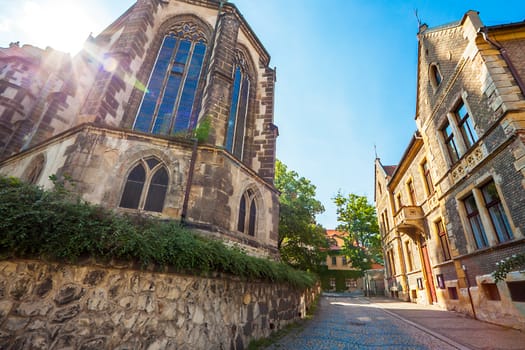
x=506, y=58
x=191, y=170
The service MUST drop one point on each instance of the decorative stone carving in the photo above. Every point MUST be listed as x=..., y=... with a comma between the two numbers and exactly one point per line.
x=466, y=164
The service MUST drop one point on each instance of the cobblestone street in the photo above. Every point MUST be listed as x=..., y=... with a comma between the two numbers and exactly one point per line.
x=357, y=323
x=352, y=323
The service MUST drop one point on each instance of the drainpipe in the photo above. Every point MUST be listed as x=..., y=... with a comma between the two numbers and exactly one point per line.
x=191, y=170
x=464, y=268
x=506, y=58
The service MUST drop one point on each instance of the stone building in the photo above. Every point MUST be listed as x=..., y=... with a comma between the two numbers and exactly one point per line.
x=121, y=117
x=454, y=206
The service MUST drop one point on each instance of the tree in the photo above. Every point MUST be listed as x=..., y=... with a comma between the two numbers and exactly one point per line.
x=358, y=218
x=302, y=242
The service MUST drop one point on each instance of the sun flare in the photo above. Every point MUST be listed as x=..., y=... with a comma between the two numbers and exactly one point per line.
x=64, y=25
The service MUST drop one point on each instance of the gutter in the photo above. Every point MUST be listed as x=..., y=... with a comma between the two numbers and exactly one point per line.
x=191, y=170
x=506, y=58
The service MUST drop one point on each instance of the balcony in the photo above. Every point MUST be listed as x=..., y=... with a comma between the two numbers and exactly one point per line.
x=409, y=219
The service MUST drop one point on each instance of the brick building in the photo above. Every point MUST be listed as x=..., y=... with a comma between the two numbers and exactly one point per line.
x=455, y=204
x=119, y=118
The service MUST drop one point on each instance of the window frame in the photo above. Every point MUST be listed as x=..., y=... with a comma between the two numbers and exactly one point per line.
x=475, y=223
x=164, y=72
x=443, y=240
x=247, y=219
x=497, y=205
x=427, y=177
x=149, y=173
x=411, y=191
x=465, y=125
x=450, y=141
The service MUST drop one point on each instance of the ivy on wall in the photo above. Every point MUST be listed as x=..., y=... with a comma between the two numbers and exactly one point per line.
x=340, y=278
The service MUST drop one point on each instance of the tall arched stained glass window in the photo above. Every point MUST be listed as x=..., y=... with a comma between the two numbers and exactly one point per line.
x=238, y=109
x=168, y=105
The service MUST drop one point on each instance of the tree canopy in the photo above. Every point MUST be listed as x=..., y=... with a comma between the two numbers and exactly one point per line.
x=302, y=241
x=358, y=218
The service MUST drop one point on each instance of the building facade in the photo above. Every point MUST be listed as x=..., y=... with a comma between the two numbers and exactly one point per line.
x=168, y=112
x=454, y=205
x=339, y=274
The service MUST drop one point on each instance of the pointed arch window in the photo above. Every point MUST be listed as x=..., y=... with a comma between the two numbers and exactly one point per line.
x=146, y=186
x=247, y=213
x=168, y=105
x=35, y=168
x=238, y=108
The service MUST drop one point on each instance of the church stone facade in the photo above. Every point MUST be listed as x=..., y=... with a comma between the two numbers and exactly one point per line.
x=120, y=119
x=454, y=205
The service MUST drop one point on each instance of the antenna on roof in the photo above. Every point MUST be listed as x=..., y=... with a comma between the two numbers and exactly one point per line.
x=375, y=150
x=417, y=17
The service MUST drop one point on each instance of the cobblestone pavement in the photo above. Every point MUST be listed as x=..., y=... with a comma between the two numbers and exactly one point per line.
x=353, y=323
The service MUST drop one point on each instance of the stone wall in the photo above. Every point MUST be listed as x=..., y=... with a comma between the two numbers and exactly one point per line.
x=92, y=306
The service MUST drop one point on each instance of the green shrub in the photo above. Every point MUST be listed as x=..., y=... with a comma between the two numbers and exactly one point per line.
x=55, y=225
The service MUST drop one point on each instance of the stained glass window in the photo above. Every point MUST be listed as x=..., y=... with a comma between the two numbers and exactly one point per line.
x=168, y=104
x=238, y=110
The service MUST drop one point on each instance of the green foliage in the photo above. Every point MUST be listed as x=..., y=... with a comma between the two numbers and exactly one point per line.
x=302, y=242
x=58, y=226
x=202, y=131
x=358, y=218
x=340, y=278
x=511, y=263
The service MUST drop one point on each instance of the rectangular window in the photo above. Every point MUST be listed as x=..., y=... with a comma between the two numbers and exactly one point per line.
x=391, y=263
x=398, y=202
x=475, y=222
x=443, y=240
x=411, y=192
x=429, y=186
x=491, y=291
x=440, y=281
x=465, y=125
x=517, y=290
x=410, y=265
x=334, y=260
x=452, y=293
x=420, y=283
x=450, y=142
x=343, y=259
x=332, y=283
x=496, y=212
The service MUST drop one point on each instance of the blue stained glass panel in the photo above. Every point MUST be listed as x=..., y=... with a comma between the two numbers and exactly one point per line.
x=169, y=98
x=153, y=91
x=233, y=109
x=187, y=99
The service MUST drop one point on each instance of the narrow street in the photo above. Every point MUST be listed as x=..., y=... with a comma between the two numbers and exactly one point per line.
x=361, y=323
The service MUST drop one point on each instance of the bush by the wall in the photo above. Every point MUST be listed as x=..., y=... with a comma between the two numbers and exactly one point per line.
x=37, y=223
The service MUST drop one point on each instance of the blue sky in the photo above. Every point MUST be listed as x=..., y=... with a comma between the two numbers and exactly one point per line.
x=346, y=72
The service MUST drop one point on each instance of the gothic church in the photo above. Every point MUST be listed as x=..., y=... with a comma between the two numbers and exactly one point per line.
x=119, y=119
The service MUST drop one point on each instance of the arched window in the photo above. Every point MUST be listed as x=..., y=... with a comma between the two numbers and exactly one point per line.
x=247, y=213
x=238, y=108
x=435, y=75
x=146, y=186
x=34, y=170
x=168, y=104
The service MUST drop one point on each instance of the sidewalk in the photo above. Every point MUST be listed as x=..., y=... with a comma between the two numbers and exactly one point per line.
x=460, y=330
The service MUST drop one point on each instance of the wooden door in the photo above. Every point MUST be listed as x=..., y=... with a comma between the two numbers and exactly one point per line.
x=428, y=270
